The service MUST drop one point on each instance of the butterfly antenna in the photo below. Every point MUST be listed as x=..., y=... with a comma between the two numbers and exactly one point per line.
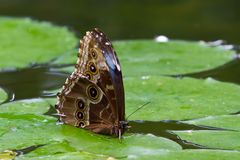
x=138, y=109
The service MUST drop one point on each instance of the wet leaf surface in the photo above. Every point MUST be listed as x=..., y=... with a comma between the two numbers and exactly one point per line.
x=179, y=99
x=226, y=140
x=21, y=132
x=3, y=95
x=30, y=106
x=231, y=122
x=24, y=42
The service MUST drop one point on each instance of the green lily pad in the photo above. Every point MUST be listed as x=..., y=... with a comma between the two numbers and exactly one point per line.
x=200, y=154
x=69, y=155
x=24, y=41
x=26, y=126
x=70, y=138
x=215, y=139
x=3, y=95
x=68, y=58
x=179, y=99
x=225, y=121
x=163, y=155
x=173, y=57
x=30, y=106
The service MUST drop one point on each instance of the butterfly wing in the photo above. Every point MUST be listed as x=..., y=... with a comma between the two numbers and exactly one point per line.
x=97, y=71
x=111, y=75
x=81, y=103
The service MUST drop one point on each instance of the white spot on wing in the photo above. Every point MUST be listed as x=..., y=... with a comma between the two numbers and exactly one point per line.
x=107, y=43
x=87, y=33
x=118, y=67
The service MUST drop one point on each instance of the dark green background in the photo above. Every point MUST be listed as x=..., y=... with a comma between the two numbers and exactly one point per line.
x=131, y=19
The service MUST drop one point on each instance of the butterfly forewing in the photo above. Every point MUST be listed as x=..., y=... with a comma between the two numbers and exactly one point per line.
x=93, y=96
x=115, y=74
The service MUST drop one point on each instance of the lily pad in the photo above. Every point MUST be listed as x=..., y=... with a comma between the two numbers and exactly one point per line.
x=200, y=154
x=69, y=155
x=173, y=57
x=215, y=139
x=70, y=138
x=3, y=95
x=179, y=99
x=24, y=41
x=231, y=122
x=30, y=106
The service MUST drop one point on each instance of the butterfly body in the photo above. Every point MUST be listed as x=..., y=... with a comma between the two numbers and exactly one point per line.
x=93, y=95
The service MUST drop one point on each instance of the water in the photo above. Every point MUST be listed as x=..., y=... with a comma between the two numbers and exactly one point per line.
x=228, y=72
x=30, y=82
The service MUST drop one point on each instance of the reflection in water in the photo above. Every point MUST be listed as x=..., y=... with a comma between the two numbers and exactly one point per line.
x=32, y=82
x=227, y=73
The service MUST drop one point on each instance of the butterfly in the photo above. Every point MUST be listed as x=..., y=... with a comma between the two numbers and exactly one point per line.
x=93, y=95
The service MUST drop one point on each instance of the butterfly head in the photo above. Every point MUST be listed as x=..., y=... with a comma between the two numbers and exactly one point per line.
x=124, y=125
x=121, y=128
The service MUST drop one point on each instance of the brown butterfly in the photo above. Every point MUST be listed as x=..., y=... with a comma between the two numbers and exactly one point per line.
x=93, y=95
